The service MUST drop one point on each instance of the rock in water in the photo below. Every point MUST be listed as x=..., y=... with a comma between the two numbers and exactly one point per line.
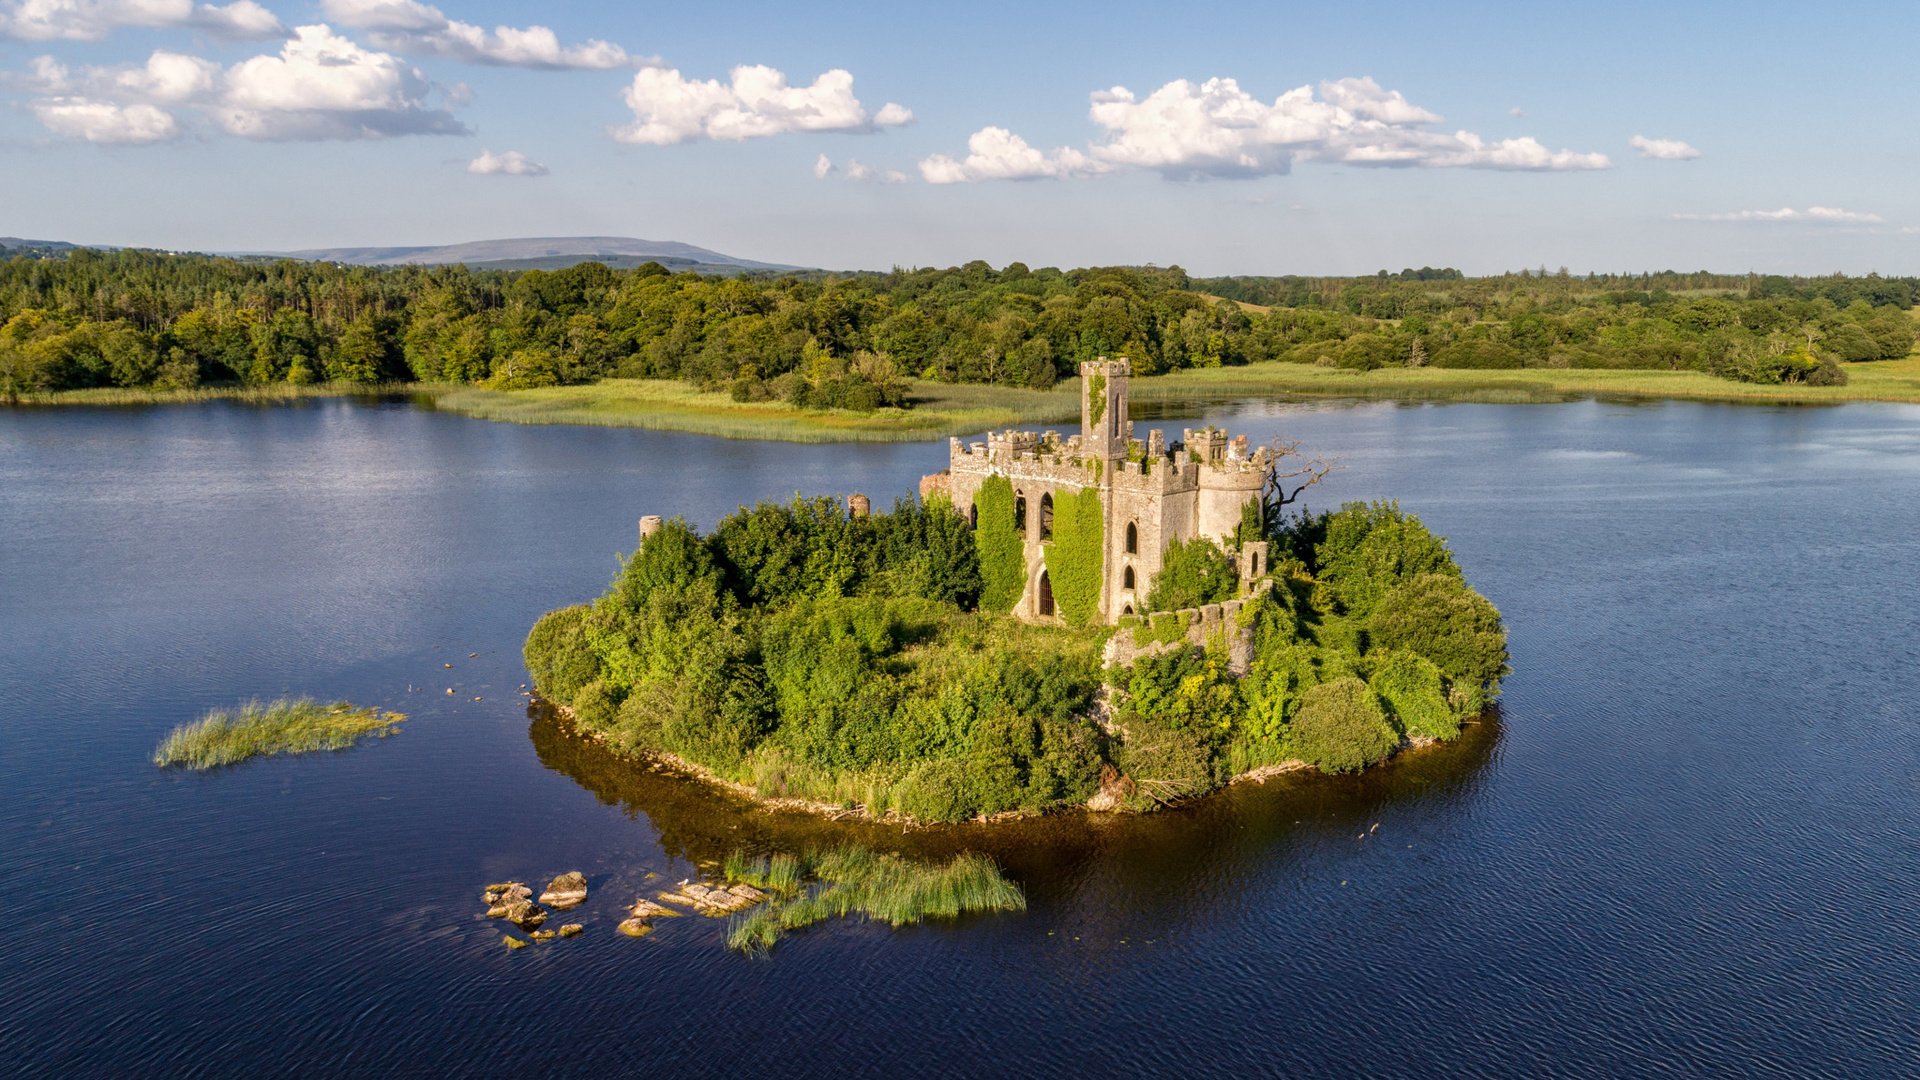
x=636, y=927
x=497, y=897
x=524, y=914
x=571, y=929
x=544, y=935
x=514, y=942
x=569, y=890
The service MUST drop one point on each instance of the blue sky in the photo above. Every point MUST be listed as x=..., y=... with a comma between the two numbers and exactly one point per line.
x=1269, y=138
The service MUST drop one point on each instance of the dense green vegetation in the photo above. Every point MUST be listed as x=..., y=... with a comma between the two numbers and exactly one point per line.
x=850, y=880
x=849, y=342
x=861, y=662
x=256, y=729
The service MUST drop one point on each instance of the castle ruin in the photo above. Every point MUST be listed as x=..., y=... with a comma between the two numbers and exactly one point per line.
x=1151, y=493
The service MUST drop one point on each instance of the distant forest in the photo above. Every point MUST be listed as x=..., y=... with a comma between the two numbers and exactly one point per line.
x=131, y=318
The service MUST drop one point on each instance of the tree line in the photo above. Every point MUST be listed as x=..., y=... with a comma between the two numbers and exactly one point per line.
x=134, y=318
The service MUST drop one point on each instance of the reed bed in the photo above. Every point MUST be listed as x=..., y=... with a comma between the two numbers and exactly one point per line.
x=849, y=880
x=260, y=729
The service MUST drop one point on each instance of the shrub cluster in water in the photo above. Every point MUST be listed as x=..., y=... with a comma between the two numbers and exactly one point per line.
x=844, y=659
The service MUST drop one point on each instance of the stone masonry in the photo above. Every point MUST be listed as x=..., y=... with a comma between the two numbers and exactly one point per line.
x=1152, y=493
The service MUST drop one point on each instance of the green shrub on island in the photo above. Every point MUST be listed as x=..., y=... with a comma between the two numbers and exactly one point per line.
x=860, y=662
x=257, y=729
x=1193, y=573
x=1341, y=726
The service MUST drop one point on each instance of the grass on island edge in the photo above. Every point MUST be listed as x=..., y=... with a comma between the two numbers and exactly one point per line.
x=257, y=729
x=943, y=409
x=851, y=880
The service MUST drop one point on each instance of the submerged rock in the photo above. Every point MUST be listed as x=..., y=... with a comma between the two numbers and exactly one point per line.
x=514, y=942
x=544, y=935
x=569, y=890
x=644, y=908
x=636, y=927
x=571, y=929
x=713, y=900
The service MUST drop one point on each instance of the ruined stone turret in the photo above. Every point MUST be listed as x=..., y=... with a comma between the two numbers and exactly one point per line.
x=1151, y=493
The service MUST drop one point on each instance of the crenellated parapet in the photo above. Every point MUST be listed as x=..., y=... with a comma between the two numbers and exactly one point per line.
x=1153, y=491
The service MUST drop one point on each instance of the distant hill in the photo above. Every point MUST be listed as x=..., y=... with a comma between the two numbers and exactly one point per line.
x=16, y=244
x=541, y=252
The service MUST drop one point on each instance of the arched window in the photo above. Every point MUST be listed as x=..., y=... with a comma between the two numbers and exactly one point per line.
x=1046, y=516
x=1133, y=538
x=1019, y=513
x=1128, y=610
x=1046, y=594
x=973, y=516
x=1256, y=564
x=1126, y=579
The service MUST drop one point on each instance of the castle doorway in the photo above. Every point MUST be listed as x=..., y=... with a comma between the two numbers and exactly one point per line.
x=1046, y=595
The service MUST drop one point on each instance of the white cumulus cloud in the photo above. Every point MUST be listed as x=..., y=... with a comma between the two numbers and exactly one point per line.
x=509, y=163
x=318, y=86
x=105, y=121
x=1816, y=215
x=323, y=86
x=1216, y=129
x=994, y=153
x=411, y=27
x=1663, y=149
x=92, y=20
x=857, y=171
x=669, y=108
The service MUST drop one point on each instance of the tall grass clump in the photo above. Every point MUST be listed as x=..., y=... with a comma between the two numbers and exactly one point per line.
x=851, y=880
x=778, y=873
x=257, y=729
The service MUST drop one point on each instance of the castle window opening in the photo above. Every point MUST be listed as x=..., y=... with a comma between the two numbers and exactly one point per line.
x=1128, y=610
x=1020, y=513
x=1133, y=539
x=1126, y=580
x=1046, y=516
x=973, y=516
x=1046, y=595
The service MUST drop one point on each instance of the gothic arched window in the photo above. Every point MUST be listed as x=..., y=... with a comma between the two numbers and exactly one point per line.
x=1133, y=538
x=1020, y=513
x=1046, y=516
x=1126, y=580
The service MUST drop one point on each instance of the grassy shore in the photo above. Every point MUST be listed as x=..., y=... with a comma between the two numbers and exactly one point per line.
x=1883, y=380
x=941, y=409
x=669, y=405
x=256, y=729
x=850, y=880
x=275, y=392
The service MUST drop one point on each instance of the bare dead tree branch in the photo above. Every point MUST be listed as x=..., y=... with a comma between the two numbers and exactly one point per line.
x=1290, y=475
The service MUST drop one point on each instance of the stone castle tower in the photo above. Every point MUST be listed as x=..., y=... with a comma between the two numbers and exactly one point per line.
x=1151, y=493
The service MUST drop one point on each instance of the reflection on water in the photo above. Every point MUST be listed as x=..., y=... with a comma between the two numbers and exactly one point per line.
x=1138, y=862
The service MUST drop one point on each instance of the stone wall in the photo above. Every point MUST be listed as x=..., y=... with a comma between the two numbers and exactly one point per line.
x=1200, y=627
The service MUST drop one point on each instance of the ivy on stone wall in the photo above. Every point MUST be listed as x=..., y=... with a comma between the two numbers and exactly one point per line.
x=1097, y=397
x=1076, y=556
x=1003, y=554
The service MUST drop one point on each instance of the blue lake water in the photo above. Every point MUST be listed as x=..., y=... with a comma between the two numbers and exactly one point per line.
x=1686, y=845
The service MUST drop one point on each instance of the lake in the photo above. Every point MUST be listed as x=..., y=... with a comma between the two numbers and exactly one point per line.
x=1685, y=845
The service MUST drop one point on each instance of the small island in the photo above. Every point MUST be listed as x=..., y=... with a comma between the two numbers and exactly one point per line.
x=1097, y=620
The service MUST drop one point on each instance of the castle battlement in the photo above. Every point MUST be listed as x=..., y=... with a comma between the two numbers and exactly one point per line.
x=1152, y=492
